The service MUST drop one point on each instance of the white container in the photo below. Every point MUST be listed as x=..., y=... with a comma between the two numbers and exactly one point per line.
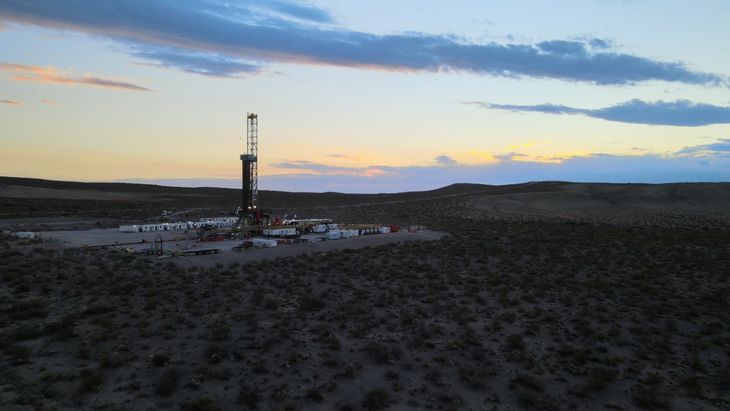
x=281, y=231
x=319, y=228
x=129, y=229
x=263, y=242
x=334, y=235
x=332, y=226
x=349, y=233
x=25, y=234
x=384, y=230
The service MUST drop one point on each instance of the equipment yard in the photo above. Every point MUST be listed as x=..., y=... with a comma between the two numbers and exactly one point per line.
x=253, y=233
x=175, y=244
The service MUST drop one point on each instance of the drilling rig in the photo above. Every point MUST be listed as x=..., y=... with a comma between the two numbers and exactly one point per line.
x=250, y=213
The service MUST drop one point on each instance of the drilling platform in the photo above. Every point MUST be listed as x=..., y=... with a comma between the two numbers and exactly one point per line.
x=253, y=223
x=250, y=213
x=249, y=160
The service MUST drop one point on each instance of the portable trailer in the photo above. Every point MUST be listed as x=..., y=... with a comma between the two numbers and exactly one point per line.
x=279, y=231
x=333, y=235
x=264, y=242
x=130, y=229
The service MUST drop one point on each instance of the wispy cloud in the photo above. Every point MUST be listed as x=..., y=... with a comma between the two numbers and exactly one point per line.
x=444, y=159
x=219, y=33
x=668, y=113
x=706, y=162
x=509, y=156
x=309, y=167
x=207, y=64
x=39, y=74
x=48, y=101
x=342, y=156
x=11, y=102
x=294, y=10
x=721, y=148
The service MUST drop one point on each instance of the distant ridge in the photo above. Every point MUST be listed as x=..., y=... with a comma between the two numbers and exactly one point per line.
x=459, y=188
x=20, y=197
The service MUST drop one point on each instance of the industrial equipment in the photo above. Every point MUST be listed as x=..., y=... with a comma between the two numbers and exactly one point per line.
x=249, y=192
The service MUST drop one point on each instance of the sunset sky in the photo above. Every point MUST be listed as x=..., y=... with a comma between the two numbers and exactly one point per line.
x=365, y=96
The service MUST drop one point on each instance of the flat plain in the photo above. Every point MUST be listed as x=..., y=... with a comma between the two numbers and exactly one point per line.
x=542, y=296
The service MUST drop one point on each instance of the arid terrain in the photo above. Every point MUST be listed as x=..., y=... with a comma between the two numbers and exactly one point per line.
x=543, y=296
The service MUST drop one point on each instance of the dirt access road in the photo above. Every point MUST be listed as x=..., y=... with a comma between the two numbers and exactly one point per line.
x=227, y=256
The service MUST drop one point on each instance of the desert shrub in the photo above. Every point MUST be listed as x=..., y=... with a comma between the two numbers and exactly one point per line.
x=528, y=381
x=724, y=375
x=201, y=404
x=98, y=309
x=221, y=373
x=112, y=360
x=515, y=343
x=216, y=353
x=598, y=379
x=376, y=399
x=330, y=341
x=91, y=380
x=160, y=359
x=649, y=393
x=63, y=328
x=271, y=303
x=220, y=331
x=530, y=400
x=27, y=332
x=692, y=386
x=381, y=353
x=313, y=394
x=20, y=354
x=310, y=302
x=449, y=401
x=27, y=309
x=433, y=376
x=472, y=377
x=248, y=396
x=286, y=405
x=169, y=382
x=391, y=376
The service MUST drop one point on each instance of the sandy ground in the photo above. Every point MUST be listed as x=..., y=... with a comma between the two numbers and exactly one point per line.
x=108, y=236
x=250, y=255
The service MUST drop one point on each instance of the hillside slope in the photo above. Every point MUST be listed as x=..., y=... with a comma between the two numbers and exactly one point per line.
x=21, y=197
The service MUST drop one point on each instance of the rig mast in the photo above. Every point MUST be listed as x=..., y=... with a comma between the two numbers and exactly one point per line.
x=250, y=178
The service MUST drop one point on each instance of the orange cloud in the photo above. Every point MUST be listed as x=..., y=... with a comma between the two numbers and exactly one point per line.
x=49, y=74
x=11, y=102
